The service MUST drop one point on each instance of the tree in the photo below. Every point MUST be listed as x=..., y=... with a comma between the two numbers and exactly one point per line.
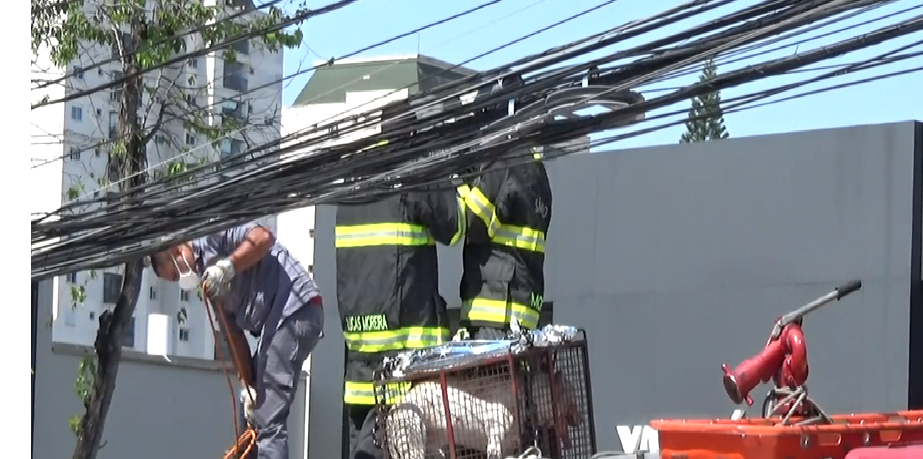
x=706, y=119
x=153, y=102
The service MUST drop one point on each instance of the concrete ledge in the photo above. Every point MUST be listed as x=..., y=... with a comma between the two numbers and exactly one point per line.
x=142, y=357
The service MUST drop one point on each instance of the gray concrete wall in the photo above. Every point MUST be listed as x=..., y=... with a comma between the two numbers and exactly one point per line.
x=159, y=409
x=678, y=258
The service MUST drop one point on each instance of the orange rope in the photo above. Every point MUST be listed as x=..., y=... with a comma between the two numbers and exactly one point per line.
x=247, y=439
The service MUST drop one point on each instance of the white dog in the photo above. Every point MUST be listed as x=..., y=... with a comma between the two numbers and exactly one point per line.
x=483, y=416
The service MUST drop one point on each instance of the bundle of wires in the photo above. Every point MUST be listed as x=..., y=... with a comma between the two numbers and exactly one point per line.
x=436, y=136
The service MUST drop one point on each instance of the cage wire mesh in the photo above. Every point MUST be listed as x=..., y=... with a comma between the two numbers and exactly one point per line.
x=492, y=408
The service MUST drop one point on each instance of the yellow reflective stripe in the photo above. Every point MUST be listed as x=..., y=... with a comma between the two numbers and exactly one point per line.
x=484, y=209
x=498, y=311
x=374, y=145
x=377, y=234
x=363, y=393
x=462, y=217
x=395, y=340
x=521, y=238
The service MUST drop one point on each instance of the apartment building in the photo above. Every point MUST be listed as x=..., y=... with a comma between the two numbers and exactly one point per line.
x=70, y=156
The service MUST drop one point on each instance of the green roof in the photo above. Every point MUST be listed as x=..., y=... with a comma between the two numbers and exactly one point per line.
x=329, y=84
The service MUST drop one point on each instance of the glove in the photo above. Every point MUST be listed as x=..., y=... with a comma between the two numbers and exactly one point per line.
x=217, y=278
x=461, y=335
x=248, y=396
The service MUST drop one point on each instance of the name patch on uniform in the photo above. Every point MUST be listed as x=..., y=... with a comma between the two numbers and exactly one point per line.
x=537, y=301
x=374, y=322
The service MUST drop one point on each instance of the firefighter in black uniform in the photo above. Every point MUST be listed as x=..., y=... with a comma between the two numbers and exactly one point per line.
x=509, y=211
x=387, y=291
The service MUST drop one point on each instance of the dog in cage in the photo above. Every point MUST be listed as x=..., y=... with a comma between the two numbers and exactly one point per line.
x=483, y=415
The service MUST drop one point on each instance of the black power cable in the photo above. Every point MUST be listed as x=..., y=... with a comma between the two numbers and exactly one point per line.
x=259, y=32
x=312, y=179
x=187, y=113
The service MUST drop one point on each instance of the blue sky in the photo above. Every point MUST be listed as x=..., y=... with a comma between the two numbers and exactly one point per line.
x=369, y=21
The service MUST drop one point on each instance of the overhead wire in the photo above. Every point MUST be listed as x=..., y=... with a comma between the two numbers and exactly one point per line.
x=198, y=53
x=744, y=53
x=256, y=33
x=182, y=116
x=336, y=116
x=193, y=224
x=461, y=85
x=155, y=43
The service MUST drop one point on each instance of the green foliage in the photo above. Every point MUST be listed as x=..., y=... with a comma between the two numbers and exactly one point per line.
x=78, y=295
x=83, y=387
x=148, y=37
x=706, y=119
x=64, y=25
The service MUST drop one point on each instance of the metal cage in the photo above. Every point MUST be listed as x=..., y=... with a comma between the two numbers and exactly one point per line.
x=491, y=407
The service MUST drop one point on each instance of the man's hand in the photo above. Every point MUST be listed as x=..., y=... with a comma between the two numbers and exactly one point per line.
x=217, y=278
x=248, y=396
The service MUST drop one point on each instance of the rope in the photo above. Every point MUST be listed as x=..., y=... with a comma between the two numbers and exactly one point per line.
x=246, y=439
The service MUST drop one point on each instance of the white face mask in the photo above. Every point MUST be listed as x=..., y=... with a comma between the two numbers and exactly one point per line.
x=188, y=280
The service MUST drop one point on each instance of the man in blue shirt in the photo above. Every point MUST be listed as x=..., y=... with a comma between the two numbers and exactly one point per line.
x=265, y=291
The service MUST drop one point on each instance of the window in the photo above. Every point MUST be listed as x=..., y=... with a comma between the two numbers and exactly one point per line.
x=190, y=138
x=311, y=232
x=112, y=287
x=99, y=112
x=191, y=100
x=184, y=334
x=77, y=113
x=311, y=269
x=241, y=47
x=160, y=139
x=128, y=339
x=74, y=154
x=184, y=295
x=97, y=152
x=71, y=277
x=115, y=93
x=113, y=125
x=235, y=109
x=153, y=293
x=193, y=63
x=78, y=72
x=234, y=76
x=125, y=39
x=230, y=147
x=92, y=315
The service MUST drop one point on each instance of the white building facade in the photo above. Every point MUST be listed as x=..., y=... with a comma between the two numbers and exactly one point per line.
x=70, y=157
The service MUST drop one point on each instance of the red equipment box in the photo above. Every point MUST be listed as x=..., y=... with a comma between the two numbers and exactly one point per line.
x=769, y=439
x=907, y=452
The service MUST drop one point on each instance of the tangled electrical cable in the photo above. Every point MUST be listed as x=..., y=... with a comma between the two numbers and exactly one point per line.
x=437, y=136
x=303, y=15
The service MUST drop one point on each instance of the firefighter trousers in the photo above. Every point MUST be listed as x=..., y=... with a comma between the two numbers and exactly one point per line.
x=360, y=420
